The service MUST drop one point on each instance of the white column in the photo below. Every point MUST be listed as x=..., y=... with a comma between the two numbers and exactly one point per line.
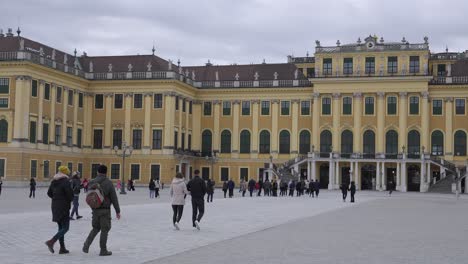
x=384, y=177
x=422, y=177
x=428, y=173
x=337, y=175
x=314, y=170
x=330, y=175
x=356, y=175
x=308, y=171
x=398, y=182
x=377, y=178
x=403, y=177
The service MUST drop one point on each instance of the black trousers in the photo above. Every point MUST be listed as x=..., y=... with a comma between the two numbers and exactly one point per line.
x=225, y=191
x=345, y=194
x=243, y=193
x=251, y=192
x=259, y=192
x=231, y=193
x=32, y=193
x=352, y=197
x=177, y=215
x=209, y=197
x=198, y=209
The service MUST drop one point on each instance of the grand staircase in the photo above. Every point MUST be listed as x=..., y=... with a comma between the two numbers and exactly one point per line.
x=453, y=175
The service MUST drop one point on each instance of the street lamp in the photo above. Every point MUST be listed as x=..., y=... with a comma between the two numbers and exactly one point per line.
x=213, y=159
x=126, y=152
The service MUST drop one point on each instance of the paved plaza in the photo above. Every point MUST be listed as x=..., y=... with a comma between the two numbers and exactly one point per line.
x=404, y=228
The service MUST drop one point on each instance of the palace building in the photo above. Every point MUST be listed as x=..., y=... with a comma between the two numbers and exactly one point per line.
x=370, y=111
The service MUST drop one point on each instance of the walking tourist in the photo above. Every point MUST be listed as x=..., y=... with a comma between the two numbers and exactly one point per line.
x=274, y=188
x=298, y=188
x=391, y=188
x=101, y=221
x=316, y=188
x=1, y=183
x=251, y=186
x=231, y=186
x=61, y=193
x=267, y=187
x=85, y=185
x=209, y=190
x=32, y=188
x=156, y=188
x=352, y=189
x=344, y=191
x=225, y=188
x=178, y=192
x=311, y=188
x=197, y=189
x=260, y=186
x=76, y=187
x=118, y=186
x=243, y=187
x=292, y=185
x=152, y=188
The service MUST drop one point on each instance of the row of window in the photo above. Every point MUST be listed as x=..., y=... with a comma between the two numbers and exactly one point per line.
x=57, y=136
x=265, y=108
x=135, y=171
x=369, y=66
x=46, y=173
x=59, y=94
x=4, y=89
x=138, y=102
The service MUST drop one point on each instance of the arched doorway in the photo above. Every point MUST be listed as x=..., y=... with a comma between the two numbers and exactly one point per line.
x=324, y=174
x=368, y=173
x=414, y=178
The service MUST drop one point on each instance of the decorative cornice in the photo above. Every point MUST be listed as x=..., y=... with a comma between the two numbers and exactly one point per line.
x=23, y=78
x=107, y=95
x=257, y=101
x=357, y=95
x=236, y=102
x=336, y=96
x=216, y=102
x=137, y=124
x=275, y=101
x=148, y=94
x=403, y=94
x=448, y=99
x=380, y=95
x=425, y=94
x=41, y=82
x=128, y=94
x=197, y=102
x=296, y=101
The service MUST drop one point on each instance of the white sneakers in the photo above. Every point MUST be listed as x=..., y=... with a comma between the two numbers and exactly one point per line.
x=197, y=224
x=176, y=226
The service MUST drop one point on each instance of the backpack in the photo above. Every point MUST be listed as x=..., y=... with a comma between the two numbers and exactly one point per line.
x=95, y=196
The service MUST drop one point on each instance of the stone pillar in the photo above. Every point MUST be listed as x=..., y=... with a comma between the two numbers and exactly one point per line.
x=108, y=121
x=336, y=123
x=169, y=116
x=21, y=108
x=403, y=120
x=147, y=124
x=316, y=121
x=448, y=128
x=87, y=119
x=357, y=180
x=428, y=174
x=274, y=127
x=295, y=121
x=425, y=135
x=181, y=130
x=331, y=171
x=255, y=113
x=53, y=97
x=216, y=132
x=128, y=118
x=235, y=128
x=337, y=175
x=75, y=118
x=314, y=170
x=380, y=123
x=196, y=123
x=40, y=117
x=403, y=177
x=384, y=177
x=187, y=129
x=398, y=182
x=65, y=117
x=378, y=178
x=308, y=171
x=357, y=113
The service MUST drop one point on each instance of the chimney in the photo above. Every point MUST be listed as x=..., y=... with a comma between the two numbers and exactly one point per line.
x=10, y=32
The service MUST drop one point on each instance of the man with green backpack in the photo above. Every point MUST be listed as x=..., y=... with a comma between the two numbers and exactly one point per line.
x=101, y=195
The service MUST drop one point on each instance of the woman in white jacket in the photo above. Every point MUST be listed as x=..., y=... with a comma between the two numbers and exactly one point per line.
x=178, y=193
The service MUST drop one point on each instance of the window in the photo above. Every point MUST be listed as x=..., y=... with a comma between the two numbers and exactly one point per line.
x=207, y=108
x=32, y=132
x=189, y=143
x=117, y=138
x=80, y=100
x=57, y=165
x=414, y=105
x=45, y=133
x=370, y=65
x=155, y=172
x=157, y=139
x=245, y=107
x=177, y=103
x=97, y=139
x=437, y=107
x=369, y=144
x=182, y=139
x=391, y=105
x=326, y=106
x=79, y=135
x=346, y=144
x=46, y=169
x=310, y=72
x=305, y=107
x=460, y=143
x=264, y=142
x=58, y=98
x=80, y=167
x=99, y=101
x=158, y=101
x=47, y=91
x=135, y=171
x=3, y=102
x=304, y=142
x=391, y=144
x=2, y=168
x=33, y=173
x=347, y=105
x=137, y=138
x=369, y=107
x=34, y=88
x=327, y=66
x=4, y=85
x=285, y=105
x=118, y=101
x=414, y=64
x=325, y=143
x=226, y=141
x=115, y=171
x=414, y=144
x=284, y=142
x=69, y=136
x=190, y=107
x=392, y=65
x=176, y=138
x=184, y=107
x=244, y=174
x=206, y=143
x=3, y=131
x=224, y=174
x=348, y=66
x=70, y=97
x=94, y=168
x=58, y=135
x=226, y=108
x=137, y=101
x=70, y=166
x=437, y=146
x=460, y=106
x=245, y=141
x=205, y=171
x=265, y=107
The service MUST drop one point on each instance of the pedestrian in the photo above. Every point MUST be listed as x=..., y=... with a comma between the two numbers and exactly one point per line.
x=101, y=221
x=61, y=193
x=283, y=188
x=132, y=185
x=267, y=187
x=292, y=185
x=156, y=188
x=118, y=186
x=344, y=191
x=243, y=187
x=298, y=188
x=260, y=186
x=231, y=186
x=32, y=188
x=76, y=187
x=274, y=188
x=251, y=186
x=316, y=188
x=311, y=188
x=152, y=188
x=225, y=188
x=197, y=189
x=178, y=192
x=162, y=185
x=1, y=183
x=352, y=189
x=391, y=187
x=209, y=190
x=85, y=185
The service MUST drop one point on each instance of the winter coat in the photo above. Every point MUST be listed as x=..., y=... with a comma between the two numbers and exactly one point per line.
x=225, y=186
x=197, y=188
x=178, y=191
x=267, y=185
x=210, y=186
x=108, y=190
x=32, y=184
x=344, y=188
x=76, y=185
x=352, y=188
x=311, y=186
x=316, y=185
x=156, y=185
x=275, y=186
x=243, y=186
x=152, y=185
x=231, y=185
x=251, y=184
x=61, y=193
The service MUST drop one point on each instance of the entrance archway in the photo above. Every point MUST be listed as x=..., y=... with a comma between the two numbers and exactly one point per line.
x=414, y=178
x=368, y=173
x=324, y=174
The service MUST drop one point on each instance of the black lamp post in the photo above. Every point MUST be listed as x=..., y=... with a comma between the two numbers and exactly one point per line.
x=126, y=152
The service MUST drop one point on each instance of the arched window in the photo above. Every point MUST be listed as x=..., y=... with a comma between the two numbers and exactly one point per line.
x=245, y=141
x=304, y=142
x=391, y=144
x=369, y=144
x=346, y=144
x=325, y=143
x=460, y=143
x=206, y=143
x=225, y=141
x=264, y=142
x=414, y=145
x=3, y=131
x=437, y=143
x=284, y=140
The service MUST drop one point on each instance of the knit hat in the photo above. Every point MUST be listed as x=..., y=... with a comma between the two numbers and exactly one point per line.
x=64, y=170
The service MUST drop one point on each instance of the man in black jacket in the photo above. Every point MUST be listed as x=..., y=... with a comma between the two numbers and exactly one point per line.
x=76, y=187
x=102, y=216
x=197, y=189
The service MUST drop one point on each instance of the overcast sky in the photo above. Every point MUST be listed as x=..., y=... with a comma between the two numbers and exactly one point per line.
x=232, y=31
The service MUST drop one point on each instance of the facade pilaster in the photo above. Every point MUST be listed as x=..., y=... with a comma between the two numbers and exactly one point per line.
x=402, y=120
x=255, y=113
x=425, y=121
x=380, y=122
x=75, y=119
x=295, y=124
x=181, y=127
x=64, y=116
x=316, y=120
x=147, y=124
x=40, y=120
x=88, y=119
x=235, y=128
x=216, y=119
x=53, y=99
x=128, y=118
x=169, y=115
x=274, y=127
x=357, y=113
x=187, y=118
x=22, y=98
x=196, y=123
x=448, y=129
x=336, y=122
x=107, y=123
